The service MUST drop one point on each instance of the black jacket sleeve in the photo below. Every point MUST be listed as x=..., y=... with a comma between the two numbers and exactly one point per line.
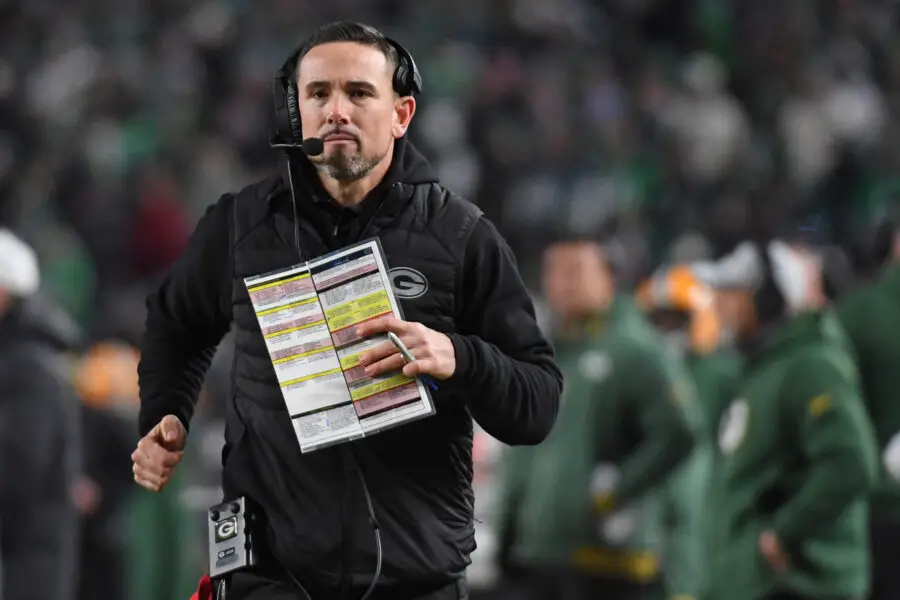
x=40, y=446
x=504, y=363
x=187, y=317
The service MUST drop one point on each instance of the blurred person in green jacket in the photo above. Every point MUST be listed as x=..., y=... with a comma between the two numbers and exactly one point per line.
x=687, y=314
x=796, y=448
x=578, y=512
x=871, y=318
x=701, y=326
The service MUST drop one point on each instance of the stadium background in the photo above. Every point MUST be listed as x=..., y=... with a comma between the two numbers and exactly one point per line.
x=672, y=122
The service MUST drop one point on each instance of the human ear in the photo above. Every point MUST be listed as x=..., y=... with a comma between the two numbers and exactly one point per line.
x=404, y=109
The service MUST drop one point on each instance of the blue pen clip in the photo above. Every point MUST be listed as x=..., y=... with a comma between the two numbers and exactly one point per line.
x=407, y=355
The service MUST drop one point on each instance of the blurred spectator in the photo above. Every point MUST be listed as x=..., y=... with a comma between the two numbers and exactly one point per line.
x=711, y=127
x=133, y=117
x=39, y=436
x=578, y=516
x=105, y=373
x=867, y=317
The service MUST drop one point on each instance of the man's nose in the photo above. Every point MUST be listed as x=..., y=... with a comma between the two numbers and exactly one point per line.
x=337, y=110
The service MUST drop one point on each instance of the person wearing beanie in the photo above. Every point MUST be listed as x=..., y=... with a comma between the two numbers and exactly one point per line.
x=796, y=453
x=39, y=439
x=697, y=333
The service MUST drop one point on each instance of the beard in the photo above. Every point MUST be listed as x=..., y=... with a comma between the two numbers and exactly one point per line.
x=342, y=165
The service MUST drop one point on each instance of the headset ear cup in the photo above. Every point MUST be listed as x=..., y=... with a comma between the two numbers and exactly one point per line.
x=400, y=79
x=407, y=79
x=293, y=111
x=282, y=119
x=768, y=299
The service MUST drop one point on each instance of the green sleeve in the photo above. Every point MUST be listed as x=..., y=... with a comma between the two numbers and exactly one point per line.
x=862, y=333
x=716, y=377
x=515, y=464
x=825, y=410
x=853, y=315
x=686, y=535
x=666, y=436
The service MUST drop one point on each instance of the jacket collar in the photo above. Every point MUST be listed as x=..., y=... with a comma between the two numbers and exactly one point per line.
x=408, y=168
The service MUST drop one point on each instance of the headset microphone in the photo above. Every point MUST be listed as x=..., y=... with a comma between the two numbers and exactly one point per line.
x=310, y=146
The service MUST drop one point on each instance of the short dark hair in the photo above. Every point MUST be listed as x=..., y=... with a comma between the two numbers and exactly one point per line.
x=350, y=31
x=562, y=237
x=604, y=238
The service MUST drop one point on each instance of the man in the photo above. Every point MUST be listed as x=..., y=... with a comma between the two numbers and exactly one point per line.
x=39, y=437
x=578, y=512
x=796, y=447
x=701, y=324
x=870, y=317
x=688, y=315
x=470, y=325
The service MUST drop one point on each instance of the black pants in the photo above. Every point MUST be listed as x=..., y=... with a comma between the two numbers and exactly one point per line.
x=567, y=585
x=885, y=542
x=260, y=585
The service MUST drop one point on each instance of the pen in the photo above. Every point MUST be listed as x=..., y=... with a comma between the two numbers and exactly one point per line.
x=408, y=357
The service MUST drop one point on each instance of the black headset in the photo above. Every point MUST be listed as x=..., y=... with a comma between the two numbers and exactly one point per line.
x=407, y=81
x=768, y=299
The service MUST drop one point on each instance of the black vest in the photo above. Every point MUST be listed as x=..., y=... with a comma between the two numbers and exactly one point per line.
x=419, y=475
x=427, y=236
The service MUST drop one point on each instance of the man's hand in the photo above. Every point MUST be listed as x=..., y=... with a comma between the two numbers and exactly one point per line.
x=770, y=548
x=158, y=453
x=432, y=350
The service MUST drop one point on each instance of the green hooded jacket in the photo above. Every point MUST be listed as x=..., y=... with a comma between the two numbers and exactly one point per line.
x=797, y=458
x=871, y=318
x=687, y=498
x=582, y=499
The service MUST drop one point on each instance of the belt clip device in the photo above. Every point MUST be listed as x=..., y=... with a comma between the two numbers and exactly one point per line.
x=231, y=529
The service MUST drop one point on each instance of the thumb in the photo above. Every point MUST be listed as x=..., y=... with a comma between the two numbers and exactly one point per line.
x=170, y=428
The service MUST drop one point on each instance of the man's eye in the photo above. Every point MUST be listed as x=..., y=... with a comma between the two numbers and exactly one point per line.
x=359, y=94
x=319, y=95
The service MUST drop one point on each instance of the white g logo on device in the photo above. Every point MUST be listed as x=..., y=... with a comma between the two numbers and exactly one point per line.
x=226, y=529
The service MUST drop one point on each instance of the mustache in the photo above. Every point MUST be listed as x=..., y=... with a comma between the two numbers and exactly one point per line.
x=339, y=132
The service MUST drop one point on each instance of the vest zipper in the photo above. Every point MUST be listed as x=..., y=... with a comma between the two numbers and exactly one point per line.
x=395, y=188
x=347, y=530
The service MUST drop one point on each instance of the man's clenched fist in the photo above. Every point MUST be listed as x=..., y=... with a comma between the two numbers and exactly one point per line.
x=158, y=452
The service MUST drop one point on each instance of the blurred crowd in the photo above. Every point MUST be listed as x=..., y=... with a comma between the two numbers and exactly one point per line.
x=121, y=121
x=682, y=126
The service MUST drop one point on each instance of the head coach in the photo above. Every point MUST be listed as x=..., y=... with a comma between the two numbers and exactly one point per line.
x=343, y=102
